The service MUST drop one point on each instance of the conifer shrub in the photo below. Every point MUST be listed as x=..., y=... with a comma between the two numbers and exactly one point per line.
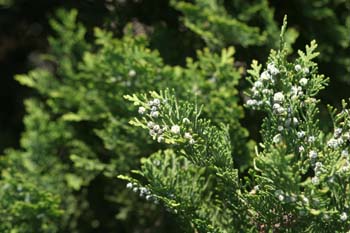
x=300, y=175
x=253, y=26
x=87, y=164
x=77, y=137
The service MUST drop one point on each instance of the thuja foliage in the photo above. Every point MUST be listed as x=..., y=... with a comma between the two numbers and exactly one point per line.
x=77, y=136
x=320, y=19
x=239, y=23
x=252, y=24
x=188, y=153
x=299, y=181
x=217, y=26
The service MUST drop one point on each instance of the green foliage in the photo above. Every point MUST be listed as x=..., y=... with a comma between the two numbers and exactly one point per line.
x=26, y=207
x=183, y=193
x=206, y=147
x=186, y=152
x=216, y=27
x=176, y=123
x=328, y=21
x=31, y=185
x=300, y=178
x=292, y=164
x=77, y=133
x=239, y=23
x=253, y=25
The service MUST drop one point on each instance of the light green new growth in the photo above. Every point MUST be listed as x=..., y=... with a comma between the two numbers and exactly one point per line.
x=300, y=178
x=77, y=127
x=186, y=152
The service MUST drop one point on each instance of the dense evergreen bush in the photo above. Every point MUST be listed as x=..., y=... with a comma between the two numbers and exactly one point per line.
x=299, y=181
x=190, y=160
